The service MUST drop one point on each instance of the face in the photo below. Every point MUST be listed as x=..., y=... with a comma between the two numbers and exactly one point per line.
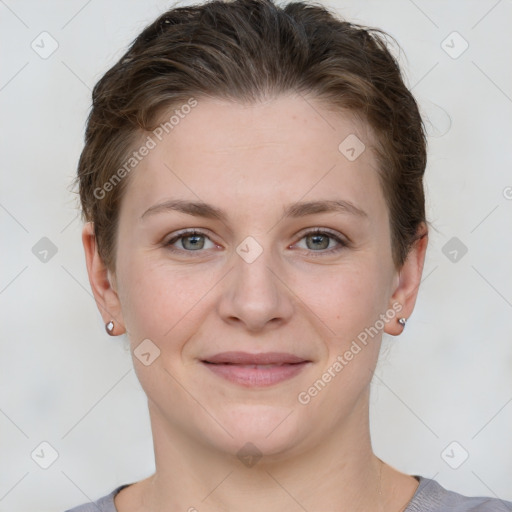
x=252, y=254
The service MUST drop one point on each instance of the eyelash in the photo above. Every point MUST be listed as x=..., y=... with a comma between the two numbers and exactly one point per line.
x=342, y=244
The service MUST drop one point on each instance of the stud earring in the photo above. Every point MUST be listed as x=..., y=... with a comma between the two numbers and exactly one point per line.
x=402, y=321
x=109, y=327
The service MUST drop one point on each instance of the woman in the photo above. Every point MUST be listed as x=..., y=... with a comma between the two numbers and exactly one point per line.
x=252, y=182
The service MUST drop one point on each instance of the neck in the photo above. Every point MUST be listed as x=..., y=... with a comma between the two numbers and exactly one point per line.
x=338, y=473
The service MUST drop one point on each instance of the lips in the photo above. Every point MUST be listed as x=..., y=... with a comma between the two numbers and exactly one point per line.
x=245, y=358
x=255, y=370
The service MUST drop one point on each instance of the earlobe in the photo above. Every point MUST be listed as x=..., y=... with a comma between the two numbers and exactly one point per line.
x=408, y=282
x=101, y=281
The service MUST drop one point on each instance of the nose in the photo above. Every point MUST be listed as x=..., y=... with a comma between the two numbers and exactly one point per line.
x=254, y=295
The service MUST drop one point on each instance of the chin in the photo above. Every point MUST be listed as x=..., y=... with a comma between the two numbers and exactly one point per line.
x=264, y=429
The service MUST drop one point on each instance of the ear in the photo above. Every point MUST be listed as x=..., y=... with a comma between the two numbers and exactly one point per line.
x=102, y=282
x=407, y=281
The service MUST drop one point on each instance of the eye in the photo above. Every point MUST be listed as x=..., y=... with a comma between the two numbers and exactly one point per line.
x=322, y=241
x=319, y=240
x=189, y=241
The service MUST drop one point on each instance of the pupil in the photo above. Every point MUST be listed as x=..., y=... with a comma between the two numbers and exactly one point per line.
x=317, y=242
x=193, y=242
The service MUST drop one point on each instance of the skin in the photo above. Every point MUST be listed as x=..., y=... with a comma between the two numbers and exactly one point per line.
x=252, y=161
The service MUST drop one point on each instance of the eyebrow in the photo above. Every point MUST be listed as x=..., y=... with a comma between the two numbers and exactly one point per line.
x=294, y=210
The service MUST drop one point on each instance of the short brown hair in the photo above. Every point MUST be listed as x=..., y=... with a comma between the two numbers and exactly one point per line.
x=246, y=50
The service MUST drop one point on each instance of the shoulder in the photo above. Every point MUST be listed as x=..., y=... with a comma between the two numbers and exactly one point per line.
x=103, y=504
x=430, y=496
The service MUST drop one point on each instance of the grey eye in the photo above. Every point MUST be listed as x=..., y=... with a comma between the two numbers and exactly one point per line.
x=193, y=242
x=317, y=241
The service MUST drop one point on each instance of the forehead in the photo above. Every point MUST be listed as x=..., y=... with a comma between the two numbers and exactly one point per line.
x=285, y=148
x=218, y=125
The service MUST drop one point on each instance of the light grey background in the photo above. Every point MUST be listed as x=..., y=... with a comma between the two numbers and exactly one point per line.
x=64, y=381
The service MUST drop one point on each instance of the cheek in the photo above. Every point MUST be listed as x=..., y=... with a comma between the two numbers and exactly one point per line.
x=159, y=300
x=346, y=297
x=348, y=301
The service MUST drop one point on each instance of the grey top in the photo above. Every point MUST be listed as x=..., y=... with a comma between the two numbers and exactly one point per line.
x=429, y=497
